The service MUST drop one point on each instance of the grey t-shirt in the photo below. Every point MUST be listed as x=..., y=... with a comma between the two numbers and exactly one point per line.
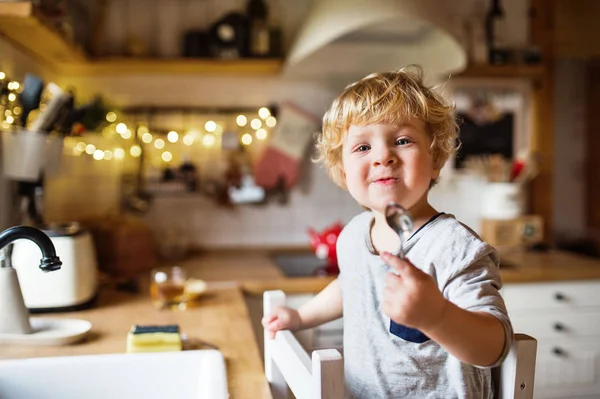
x=380, y=364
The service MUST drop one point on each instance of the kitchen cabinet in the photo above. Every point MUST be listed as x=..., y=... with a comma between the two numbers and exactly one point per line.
x=565, y=319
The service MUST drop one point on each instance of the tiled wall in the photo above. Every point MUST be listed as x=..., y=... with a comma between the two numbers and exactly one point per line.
x=319, y=205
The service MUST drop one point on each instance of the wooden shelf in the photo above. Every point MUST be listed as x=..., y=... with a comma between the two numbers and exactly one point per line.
x=140, y=66
x=21, y=24
x=503, y=71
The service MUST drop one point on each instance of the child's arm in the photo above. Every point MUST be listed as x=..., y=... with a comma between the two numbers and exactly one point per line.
x=472, y=337
x=325, y=306
x=412, y=298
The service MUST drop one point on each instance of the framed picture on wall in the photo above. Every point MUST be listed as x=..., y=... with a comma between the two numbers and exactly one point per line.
x=493, y=119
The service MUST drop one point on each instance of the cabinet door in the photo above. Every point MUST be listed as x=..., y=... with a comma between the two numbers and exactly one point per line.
x=567, y=368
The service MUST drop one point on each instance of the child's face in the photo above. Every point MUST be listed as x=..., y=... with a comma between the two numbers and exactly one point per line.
x=384, y=163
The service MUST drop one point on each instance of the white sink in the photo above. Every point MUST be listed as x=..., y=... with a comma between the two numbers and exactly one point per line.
x=177, y=375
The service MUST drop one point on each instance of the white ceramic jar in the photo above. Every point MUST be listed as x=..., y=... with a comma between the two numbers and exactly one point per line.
x=503, y=200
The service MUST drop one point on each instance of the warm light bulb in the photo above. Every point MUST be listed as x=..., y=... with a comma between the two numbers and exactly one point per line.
x=2, y=75
x=210, y=126
x=208, y=140
x=80, y=146
x=17, y=110
x=90, y=148
x=188, y=139
x=271, y=121
x=147, y=138
x=142, y=130
x=119, y=153
x=10, y=119
x=167, y=156
x=127, y=134
x=247, y=139
x=159, y=143
x=172, y=136
x=12, y=97
x=135, y=151
x=261, y=134
x=108, y=155
x=98, y=155
x=111, y=117
x=264, y=113
x=256, y=123
x=121, y=128
x=241, y=120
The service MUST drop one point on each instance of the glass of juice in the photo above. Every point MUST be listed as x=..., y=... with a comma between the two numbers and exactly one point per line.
x=167, y=287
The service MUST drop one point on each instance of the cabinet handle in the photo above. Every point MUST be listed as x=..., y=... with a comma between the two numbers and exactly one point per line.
x=559, y=327
x=559, y=297
x=558, y=351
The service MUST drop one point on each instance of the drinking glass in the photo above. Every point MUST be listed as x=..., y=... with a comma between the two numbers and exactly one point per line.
x=167, y=287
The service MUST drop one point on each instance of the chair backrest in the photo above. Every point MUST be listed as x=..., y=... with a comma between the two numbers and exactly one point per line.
x=513, y=379
x=287, y=364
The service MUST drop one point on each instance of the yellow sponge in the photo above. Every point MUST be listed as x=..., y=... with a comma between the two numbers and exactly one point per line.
x=153, y=339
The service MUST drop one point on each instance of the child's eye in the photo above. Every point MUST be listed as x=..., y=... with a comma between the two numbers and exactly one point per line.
x=402, y=141
x=362, y=148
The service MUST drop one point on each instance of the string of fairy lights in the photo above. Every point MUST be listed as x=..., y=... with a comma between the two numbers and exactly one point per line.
x=9, y=105
x=253, y=126
x=124, y=136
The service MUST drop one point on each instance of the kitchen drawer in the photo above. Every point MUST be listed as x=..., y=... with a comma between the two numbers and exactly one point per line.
x=563, y=295
x=557, y=324
x=567, y=368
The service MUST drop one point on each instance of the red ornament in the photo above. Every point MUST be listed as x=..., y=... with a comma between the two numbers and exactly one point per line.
x=324, y=245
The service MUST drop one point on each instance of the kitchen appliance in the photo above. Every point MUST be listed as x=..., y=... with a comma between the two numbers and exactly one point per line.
x=74, y=286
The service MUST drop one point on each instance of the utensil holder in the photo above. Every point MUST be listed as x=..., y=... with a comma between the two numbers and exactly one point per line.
x=26, y=153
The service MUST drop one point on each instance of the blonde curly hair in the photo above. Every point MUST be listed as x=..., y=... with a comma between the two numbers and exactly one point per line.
x=391, y=98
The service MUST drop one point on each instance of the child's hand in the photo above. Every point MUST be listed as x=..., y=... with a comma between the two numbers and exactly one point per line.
x=412, y=297
x=282, y=318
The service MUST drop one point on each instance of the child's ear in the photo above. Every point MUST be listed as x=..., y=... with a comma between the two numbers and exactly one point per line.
x=437, y=168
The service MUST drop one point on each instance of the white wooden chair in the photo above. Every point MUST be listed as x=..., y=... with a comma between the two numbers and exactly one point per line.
x=287, y=364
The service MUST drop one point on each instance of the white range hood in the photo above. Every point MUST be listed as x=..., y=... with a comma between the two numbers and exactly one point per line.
x=344, y=40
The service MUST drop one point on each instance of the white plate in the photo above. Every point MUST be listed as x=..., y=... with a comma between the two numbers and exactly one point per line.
x=50, y=331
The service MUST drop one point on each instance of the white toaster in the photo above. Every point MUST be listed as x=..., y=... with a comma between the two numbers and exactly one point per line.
x=74, y=286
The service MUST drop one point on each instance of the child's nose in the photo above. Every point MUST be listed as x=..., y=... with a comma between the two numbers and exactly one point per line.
x=385, y=157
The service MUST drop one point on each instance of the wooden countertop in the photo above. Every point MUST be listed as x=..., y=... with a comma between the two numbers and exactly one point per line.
x=550, y=266
x=221, y=317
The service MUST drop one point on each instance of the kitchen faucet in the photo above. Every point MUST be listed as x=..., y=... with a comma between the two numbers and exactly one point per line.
x=14, y=316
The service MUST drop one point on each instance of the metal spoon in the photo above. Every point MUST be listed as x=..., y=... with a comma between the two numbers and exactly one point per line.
x=400, y=221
